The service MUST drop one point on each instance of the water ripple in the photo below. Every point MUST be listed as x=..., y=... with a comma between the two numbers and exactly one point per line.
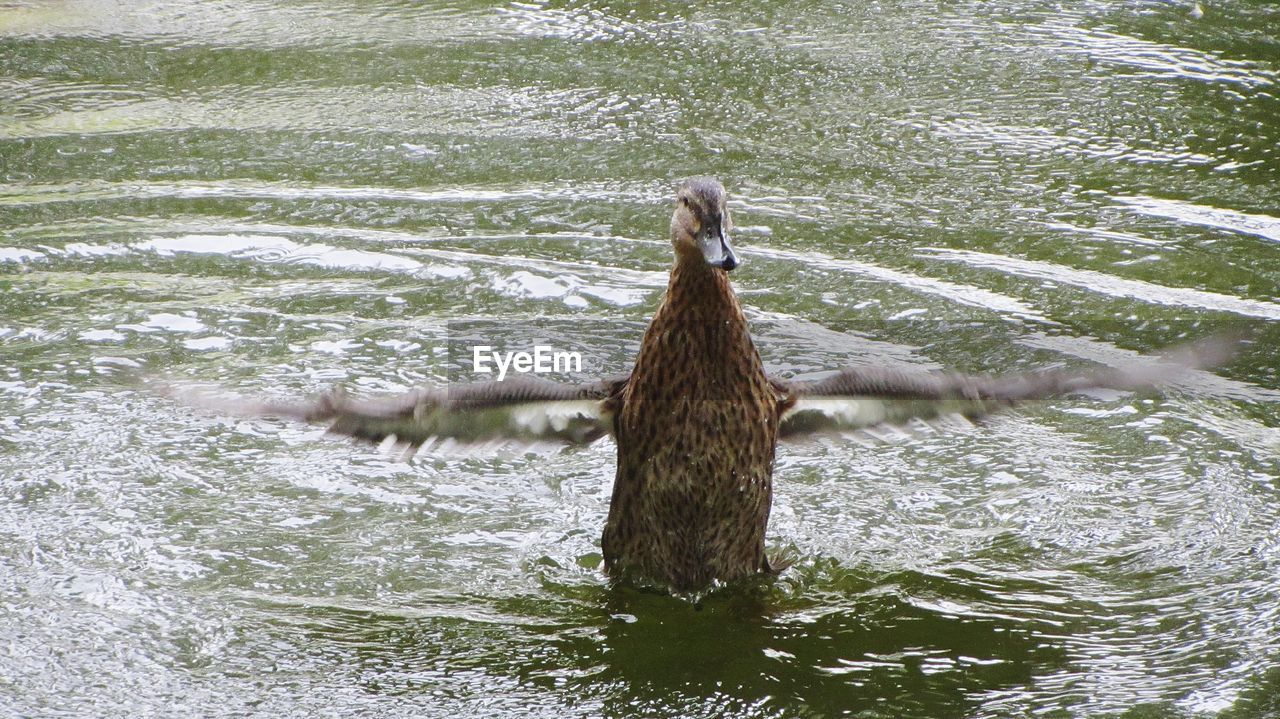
x=1264, y=226
x=95, y=191
x=1157, y=59
x=1111, y=285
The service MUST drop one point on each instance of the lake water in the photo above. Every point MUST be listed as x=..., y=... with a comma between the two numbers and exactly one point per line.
x=283, y=196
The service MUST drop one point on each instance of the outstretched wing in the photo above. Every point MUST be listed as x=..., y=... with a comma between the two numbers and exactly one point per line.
x=527, y=409
x=859, y=397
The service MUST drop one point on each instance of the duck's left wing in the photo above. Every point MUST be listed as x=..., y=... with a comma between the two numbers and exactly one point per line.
x=860, y=397
x=523, y=409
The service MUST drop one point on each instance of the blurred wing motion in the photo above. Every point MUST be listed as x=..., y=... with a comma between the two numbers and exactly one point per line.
x=533, y=411
x=861, y=397
x=525, y=409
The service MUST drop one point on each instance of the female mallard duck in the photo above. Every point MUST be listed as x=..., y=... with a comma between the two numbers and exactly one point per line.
x=697, y=420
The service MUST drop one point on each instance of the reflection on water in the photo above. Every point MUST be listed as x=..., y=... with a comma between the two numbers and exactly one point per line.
x=283, y=196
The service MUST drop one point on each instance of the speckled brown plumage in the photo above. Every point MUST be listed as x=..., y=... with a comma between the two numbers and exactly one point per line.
x=696, y=429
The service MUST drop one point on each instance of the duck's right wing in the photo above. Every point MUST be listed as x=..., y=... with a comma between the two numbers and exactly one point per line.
x=522, y=409
x=860, y=397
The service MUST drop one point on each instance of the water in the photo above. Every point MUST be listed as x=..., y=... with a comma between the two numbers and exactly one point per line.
x=281, y=196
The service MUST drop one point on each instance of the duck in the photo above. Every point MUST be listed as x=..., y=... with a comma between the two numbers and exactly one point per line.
x=697, y=421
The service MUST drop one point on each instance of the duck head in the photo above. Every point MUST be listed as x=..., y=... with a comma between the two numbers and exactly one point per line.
x=700, y=224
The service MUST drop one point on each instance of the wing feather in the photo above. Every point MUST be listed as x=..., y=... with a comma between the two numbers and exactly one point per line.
x=527, y=409
x=860, y=397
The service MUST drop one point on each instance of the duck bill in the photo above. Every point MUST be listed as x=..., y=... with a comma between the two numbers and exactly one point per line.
x=717, y=250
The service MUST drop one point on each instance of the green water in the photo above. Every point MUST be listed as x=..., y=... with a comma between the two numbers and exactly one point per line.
x=281, y=196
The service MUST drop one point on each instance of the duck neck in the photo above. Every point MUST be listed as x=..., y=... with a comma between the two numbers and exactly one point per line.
x=701, y=323
x=698, y=290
